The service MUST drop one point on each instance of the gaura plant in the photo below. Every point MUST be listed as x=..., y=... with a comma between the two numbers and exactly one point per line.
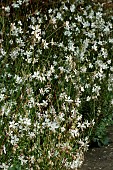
x=55, y=82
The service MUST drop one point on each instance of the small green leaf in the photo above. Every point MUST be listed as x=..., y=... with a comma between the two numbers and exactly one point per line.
x=105, y=141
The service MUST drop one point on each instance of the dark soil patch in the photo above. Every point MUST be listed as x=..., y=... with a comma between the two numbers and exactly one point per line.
x=100, y=158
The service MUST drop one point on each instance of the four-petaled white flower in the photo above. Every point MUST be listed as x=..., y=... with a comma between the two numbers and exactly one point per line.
x=36, y=32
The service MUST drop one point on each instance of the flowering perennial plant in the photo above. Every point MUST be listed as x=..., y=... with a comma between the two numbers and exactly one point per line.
x=56, y=77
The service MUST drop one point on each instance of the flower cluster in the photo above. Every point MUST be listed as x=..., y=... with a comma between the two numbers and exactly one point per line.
x=56, y=70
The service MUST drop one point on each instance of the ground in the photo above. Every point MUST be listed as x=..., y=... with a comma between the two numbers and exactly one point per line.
x=100, y=158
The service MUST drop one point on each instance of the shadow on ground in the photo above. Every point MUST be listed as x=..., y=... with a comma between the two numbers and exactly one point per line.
x=100, y=158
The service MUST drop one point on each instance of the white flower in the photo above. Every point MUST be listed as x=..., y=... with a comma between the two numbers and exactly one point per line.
x=45, y=103
x=2, y=97
x=71, y=46
x=107, y=29
x=61, y=116
x=88, y=98
x=82, y=126
x=90, y=65
x=78, y=101
x=110, y=40
x=20, y=23
x=95, y=46
x=52, y=69
x=86, y=24
x=67, y=25
x=82, y=89
x=79, y=118
x=52, y=42
x=15, y=5
x=7, y=9
x=13, y=124
x=93, y=122
x=98, y=15
x=75, y=164
x=4, y=166
x=4, y=149
x=112, y=102
x=50, y=11
x=36, y=32
x=111, y=69
x=18, y=79
x=53, y=126
x=53, y=20
x=109, y=61
x=59, y=16
x=27, y=121
x=69, y=100
x=74, y=132
x=93, y=25
x=31, y=135
x=31, y=102
x=19, y=2
x=32, y=158
x=68, y=33
x=62, y=129
x=79, y=18
x=45, y=44
x=23, y=161
x=83, y=69
x=72, y=8
x=2, y=52
x=65, y=7
x=87, y=123
x=14, y=140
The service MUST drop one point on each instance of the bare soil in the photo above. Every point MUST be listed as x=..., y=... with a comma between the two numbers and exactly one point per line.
x=100, y=158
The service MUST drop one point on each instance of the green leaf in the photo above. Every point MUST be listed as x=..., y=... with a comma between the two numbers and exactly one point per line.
x=105, y=140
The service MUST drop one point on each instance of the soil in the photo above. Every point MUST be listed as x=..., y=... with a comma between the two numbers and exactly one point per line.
x=100, y=158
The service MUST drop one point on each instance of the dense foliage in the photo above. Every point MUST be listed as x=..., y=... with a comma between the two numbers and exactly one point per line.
x=56, y=82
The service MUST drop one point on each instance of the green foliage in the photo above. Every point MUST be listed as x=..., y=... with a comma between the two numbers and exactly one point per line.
x=55, y=81
x=15, y=167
